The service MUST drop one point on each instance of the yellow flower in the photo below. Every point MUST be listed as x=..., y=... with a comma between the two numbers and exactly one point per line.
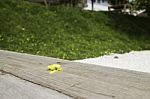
x=23, y=29
x=54, y=68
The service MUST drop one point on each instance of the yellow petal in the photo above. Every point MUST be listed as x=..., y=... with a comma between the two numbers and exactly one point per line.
x=51, y=72
x=54, y=65
x=59, y=69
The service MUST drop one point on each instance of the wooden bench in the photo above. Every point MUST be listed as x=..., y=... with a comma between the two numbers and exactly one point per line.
x=77, y=80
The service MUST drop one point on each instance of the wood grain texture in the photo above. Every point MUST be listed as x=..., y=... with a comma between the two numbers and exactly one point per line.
x=80, y=81
x=12, y=87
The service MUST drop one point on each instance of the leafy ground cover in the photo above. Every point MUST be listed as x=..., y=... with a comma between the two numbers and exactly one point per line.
x=69, y=33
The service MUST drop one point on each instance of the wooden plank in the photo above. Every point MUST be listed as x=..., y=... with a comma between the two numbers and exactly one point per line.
x=12, y=87
x=78, y=80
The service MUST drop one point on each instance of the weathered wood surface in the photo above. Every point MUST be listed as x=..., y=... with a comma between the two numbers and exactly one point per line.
x=77, y=80
x=12, y=87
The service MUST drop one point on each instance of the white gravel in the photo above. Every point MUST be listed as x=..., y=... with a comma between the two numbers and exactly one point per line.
x=135, y=60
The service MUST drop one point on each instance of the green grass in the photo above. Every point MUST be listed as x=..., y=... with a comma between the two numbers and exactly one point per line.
x=69, y=33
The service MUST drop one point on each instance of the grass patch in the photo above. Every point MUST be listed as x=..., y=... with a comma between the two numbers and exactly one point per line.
x=69, y=33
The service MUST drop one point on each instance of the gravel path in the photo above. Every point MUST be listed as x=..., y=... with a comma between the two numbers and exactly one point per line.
x=135, y=60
